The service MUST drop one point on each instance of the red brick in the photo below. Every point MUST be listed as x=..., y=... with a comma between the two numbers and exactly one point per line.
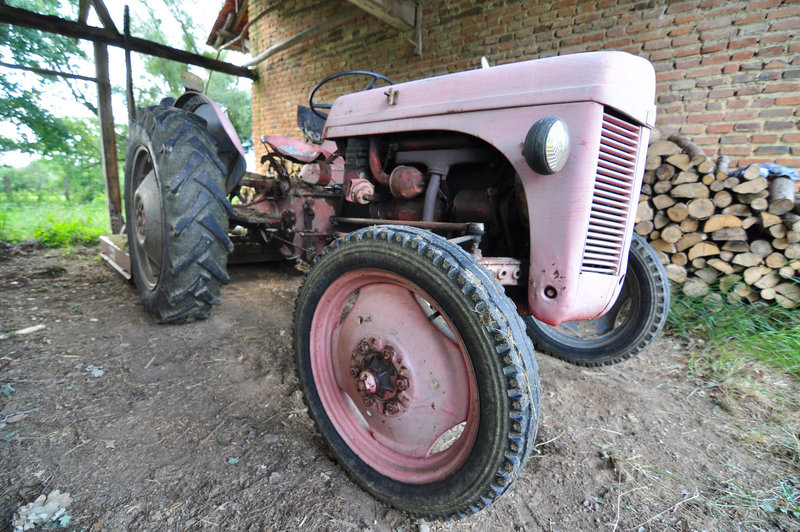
x=700, y=72
x=782, y=87
x=720, y=128
x=657, y=45
x=705, y=141
x=660, y=55
x=710, y=48
x=730, y=69
x=764, y=138
x=618, y=43
x=720, y=93
x=674, y=32
x=687, y=18
x=784, y=12
x=734, y=150
x=715, y=60
x=743, y=43
x=686, y=52
x=748, y=18
x=684, y=40
x=791, y=137
x=763, y=4
x=763, y=102
x=790, y=24
x=745, y=126
x=787, y=100
x=680, y=8
x=776, y=37
x=740, y=56
x=743, y=114
x=692, y=129
x=779, y=124
x=704, y=117
x=686, y=64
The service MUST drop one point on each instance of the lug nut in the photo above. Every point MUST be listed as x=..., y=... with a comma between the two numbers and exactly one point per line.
x=387, y=352
x=390, y=409
x=402, y=384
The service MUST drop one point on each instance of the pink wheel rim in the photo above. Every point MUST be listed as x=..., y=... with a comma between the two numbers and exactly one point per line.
x=399, y=430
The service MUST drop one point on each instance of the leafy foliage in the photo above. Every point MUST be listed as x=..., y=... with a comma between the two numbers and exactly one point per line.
x=165, y=79
x=35, y=128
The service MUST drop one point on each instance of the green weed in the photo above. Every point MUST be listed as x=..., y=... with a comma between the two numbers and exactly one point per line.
x=55, y=223
x=738, y=334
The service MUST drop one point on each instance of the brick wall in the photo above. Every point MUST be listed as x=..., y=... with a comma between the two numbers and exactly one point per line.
x=728, y=71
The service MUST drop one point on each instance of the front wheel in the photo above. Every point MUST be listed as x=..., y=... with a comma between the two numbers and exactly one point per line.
x=416, y=370
x=635, y=319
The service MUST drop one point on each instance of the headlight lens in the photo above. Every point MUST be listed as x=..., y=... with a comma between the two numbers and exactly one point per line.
x=546, y=147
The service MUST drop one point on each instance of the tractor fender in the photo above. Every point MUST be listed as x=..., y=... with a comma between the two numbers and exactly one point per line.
x=229, y=147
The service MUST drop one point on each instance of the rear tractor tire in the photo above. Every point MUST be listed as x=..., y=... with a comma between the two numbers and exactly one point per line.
x=176, y=213
x=416, y=370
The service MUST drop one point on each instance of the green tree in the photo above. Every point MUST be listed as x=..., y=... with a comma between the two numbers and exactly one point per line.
x=165, y=75
x=35, y=129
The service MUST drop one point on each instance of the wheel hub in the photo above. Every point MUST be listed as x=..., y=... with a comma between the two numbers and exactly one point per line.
x=380, y=376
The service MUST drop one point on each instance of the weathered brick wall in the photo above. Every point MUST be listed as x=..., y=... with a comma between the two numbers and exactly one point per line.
x=728, y=71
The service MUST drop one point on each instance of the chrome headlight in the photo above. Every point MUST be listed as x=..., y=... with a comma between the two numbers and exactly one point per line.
x=546, y=146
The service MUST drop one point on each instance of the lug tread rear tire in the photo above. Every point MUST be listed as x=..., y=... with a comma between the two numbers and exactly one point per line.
x=194, y=213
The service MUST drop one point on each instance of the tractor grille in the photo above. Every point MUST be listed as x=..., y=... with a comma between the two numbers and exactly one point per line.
x=611, y=203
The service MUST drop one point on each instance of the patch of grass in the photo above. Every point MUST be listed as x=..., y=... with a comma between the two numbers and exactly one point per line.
x=738, y=334
x=55, y=223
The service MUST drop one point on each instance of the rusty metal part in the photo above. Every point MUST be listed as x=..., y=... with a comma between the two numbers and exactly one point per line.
x=394, y=209
x=360, y=191
x=375, y=165
x=430, y=226
x=472, y=206
x=380, y=376
x=318, y=173
x=506, y=270
x=406, y=182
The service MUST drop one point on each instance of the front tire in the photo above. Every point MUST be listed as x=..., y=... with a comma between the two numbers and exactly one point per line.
x=176, y=214
x=632, y=323
x=416, y=370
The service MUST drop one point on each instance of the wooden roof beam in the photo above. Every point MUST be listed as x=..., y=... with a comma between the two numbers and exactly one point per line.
x=401, y=14
x=29, y=19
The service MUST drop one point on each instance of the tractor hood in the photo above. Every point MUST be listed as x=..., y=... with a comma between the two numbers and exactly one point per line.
x=614, y=79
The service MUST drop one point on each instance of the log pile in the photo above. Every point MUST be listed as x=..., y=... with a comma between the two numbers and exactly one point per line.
x=736, y=230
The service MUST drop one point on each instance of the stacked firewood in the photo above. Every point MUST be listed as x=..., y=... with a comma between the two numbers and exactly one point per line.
x=736, y=230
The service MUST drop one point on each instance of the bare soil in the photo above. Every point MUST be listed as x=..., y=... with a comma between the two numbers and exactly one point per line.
x=202, y=426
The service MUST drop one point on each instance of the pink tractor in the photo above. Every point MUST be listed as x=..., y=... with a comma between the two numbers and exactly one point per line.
x=447, y=222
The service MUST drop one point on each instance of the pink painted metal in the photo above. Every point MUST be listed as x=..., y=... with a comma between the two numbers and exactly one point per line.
x=296, y=150
x=399, y=439
x=606, y=100
x=506, y=270
x=360, y=191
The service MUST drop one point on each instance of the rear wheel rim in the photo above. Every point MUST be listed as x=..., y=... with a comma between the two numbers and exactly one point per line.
x=147, y=241
x=394, y=376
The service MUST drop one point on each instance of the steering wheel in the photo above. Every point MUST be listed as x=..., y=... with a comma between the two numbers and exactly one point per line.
x=315, y=107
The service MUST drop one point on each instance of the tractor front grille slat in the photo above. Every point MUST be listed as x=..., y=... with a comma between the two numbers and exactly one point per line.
x=611, y=203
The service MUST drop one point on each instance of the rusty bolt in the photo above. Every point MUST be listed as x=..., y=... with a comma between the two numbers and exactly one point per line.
x=391, y=409
x=402, y=384
x=363, y=347
x=387, y=352
x=368, y=400
x=354, y=371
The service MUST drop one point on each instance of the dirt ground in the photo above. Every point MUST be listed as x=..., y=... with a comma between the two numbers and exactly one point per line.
x=202, y=426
